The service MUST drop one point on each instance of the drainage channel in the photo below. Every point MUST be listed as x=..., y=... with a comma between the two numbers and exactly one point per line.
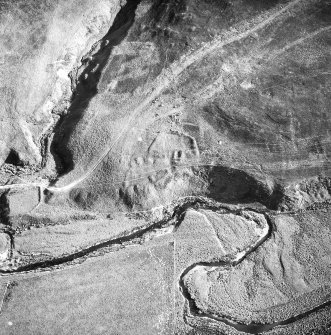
x=173, y=216
x=175, y=219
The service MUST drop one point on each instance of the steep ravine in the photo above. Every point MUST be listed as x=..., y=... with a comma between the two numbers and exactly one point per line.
x=85, y=81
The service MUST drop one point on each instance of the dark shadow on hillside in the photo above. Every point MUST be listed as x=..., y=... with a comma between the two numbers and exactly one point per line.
x=86, y=86
x=237, y=186
x=14, y=159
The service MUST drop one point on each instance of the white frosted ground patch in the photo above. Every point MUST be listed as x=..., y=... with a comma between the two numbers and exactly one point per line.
x=247, y=84
x=4, y=246
x=208, y=236
x=237, y=232
x=23, y=201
